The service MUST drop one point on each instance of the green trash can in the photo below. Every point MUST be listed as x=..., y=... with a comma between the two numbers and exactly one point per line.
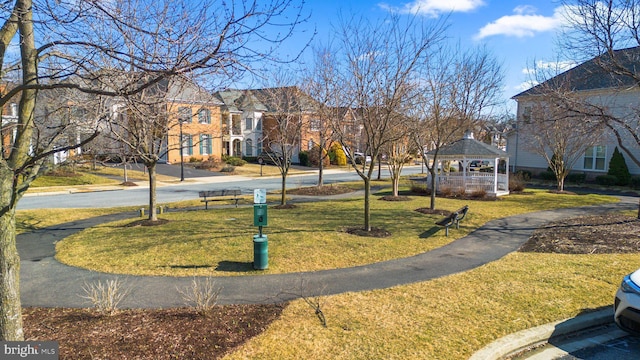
x=260, y=252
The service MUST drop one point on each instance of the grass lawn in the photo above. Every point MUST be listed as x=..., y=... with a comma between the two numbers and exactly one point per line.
x=219, y=241
x=446, y=318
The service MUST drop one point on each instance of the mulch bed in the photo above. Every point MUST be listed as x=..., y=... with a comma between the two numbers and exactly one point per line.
x=374, y=232
x=596, y=234
x=179, y=333
x=324, y=190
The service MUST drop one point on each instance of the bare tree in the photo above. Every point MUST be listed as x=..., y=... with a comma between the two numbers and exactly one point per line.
x=92, y=40
x=323, y=87
x=456, y=90
x=382, y=61
x=288, y=111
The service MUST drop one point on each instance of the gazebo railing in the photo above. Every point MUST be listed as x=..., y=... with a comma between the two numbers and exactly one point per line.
x=474, y=181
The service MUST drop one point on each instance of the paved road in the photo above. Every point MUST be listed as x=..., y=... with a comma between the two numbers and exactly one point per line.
x=138, y=196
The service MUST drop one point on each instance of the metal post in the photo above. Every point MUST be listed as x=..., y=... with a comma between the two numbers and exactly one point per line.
x=181, y=153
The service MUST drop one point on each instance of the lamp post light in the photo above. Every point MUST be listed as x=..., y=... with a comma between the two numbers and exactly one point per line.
x=181, y=153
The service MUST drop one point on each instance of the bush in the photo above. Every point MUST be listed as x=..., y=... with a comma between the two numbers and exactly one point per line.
x=337, y=155
x=105, y=297
x=525, y=175
x=606, y=180
x=304, y=158
x=618, y=168
x=228, y=168
x=576, y=178
x=313, y=157
x=211, y=163
x=250, y=159
x=420, y=187
x=234, y=161
x=635, y=182
x=194, y=159
x=517, y=182
x=478, y=194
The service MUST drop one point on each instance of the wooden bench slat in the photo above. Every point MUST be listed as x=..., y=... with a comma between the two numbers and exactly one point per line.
x=209, y=194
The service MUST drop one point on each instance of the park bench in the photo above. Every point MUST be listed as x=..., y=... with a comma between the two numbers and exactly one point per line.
x=454, y=218
x=216, y=195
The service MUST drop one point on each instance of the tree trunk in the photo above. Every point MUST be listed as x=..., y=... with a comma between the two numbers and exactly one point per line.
x=153, y=216
x=432, y=204
x=320, y=168
x=367, y=204
x=283, y=199
x=10, y=306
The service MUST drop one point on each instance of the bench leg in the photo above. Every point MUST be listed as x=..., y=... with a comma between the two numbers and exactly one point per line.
x=446, y=230
x=236, y=199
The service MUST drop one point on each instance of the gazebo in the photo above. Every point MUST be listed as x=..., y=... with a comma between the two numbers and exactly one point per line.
x=480, y=167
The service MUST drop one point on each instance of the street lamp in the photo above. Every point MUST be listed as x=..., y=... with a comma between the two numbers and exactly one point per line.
x=181, y=154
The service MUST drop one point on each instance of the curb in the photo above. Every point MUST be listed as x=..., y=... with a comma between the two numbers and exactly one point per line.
x=521, y=340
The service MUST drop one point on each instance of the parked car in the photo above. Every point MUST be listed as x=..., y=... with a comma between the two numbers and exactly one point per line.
x=627, y=304
x=478, y=165
x=269, y=158
x=359, y=157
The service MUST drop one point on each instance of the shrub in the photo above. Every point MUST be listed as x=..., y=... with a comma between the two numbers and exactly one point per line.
x=576, y=178
x=250, y=159
x=607, y=180
x=478, y=194
x=618, y=168
x=525, y=175
x=517, y=182
x=304, y=158
x=105, y=297
x=420, y=187
x=228, y=168
x=194, y=159
x=313, y=157
x=337, y=155
x=234, y=161
x=445, y=191
x=203, y=295
x=635, y=182
x=210, y=163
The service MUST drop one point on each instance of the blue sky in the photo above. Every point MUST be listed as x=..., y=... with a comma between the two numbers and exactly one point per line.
x=518, y=33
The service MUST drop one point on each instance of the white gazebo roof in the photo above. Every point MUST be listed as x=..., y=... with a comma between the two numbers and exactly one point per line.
x=468, y=148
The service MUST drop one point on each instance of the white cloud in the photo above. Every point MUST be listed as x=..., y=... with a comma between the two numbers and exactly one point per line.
x=523, y=23
x=436, y=7
x=554, y=67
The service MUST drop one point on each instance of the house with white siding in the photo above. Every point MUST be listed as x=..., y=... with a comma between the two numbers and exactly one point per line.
x=610, y=95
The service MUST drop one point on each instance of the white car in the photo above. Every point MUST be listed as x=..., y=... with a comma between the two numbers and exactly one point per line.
x=627, y=303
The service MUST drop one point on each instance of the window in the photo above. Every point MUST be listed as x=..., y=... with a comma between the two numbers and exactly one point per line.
x=314, y=125
x=248, y=147
x=184, y=114
x=187, y=145
x=526, y=114
x=248, y=125
x=259, y=123
x=594, y=158
x=14, y=109
x=205, y=145
x=204, y=116
x=310, y=145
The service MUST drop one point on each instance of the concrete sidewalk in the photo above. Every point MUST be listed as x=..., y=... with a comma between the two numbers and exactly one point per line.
x=45, y=282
